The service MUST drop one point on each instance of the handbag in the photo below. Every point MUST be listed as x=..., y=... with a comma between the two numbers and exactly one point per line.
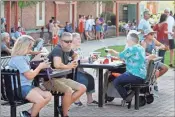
x=44, y=73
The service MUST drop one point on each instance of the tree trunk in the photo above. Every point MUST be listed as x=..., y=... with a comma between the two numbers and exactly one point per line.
x=21, y=18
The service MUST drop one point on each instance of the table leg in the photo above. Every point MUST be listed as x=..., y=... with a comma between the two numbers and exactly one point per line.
x=100, y=88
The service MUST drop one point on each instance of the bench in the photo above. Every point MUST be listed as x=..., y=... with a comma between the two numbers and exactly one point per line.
x=10, y=87
x=146, y=88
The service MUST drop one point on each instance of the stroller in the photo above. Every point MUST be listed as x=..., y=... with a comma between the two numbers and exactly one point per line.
x=146, y=92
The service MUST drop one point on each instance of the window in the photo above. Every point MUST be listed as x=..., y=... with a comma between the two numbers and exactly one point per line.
x=40, y=14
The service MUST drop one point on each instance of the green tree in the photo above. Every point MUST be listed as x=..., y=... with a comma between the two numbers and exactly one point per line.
x=24, y=4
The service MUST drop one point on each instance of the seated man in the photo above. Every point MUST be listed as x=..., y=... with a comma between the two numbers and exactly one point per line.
x=150, y=44
x=72, y=90
x=64, y=57
x=5, y=50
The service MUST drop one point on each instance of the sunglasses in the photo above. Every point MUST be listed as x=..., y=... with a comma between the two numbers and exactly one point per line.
x=151, y=34
x=67, y=41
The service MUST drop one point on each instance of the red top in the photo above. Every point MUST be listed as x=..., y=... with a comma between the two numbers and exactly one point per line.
x=81, y=26
x=161, y=35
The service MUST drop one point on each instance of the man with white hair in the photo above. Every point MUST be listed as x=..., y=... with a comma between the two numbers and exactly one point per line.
x=144, y=24
x=5, y=50
x=170, y=22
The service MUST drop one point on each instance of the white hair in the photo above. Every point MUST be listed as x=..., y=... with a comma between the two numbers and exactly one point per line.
x=167, y=10
x=133, y=37
x=4, y=35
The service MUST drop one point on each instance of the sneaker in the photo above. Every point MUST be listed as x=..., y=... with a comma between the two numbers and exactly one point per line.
x=78, y=103
x=24, y=114
x=171, y=65
x=93, y=103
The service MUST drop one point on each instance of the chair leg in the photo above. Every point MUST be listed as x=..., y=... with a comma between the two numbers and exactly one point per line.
x=137, y=90
x=56, y=100
x=13, y=110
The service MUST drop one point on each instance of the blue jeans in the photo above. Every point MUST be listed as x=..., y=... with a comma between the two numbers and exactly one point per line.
x=124, y=79
x=25, y=90
x=162, y=54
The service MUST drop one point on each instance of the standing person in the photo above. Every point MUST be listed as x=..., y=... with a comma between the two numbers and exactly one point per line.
x=81, y=26
x=170, y=22
x=20, y=61
x=144, y=24
x=3, y=23
x=50, y=30
x=88, y=28
x=162, y=34
x=98, y=29
x=82, y=76
x=55, y=34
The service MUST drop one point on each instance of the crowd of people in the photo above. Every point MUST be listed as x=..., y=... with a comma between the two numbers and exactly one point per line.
x=140, y=47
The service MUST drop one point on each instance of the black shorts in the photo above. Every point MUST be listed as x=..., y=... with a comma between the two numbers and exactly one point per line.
x=171, y=44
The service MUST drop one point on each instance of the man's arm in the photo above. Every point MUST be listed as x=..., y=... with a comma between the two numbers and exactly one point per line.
x=57, y=62
x=75, y=56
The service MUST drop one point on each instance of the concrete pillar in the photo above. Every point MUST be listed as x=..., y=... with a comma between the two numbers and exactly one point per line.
x=97, y=9
x=117, y=19
x=8, y=16
x=137, y=13
x=55, y=11
x=73, y=17
x=16, y=15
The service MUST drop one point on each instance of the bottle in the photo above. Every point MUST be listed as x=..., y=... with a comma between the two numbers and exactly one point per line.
x=154, y=51
x=108, y=56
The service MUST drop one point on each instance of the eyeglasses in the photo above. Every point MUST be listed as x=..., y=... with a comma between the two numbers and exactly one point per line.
x=67, y=41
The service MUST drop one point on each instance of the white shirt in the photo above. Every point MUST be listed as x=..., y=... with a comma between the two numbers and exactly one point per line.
x=170, y=22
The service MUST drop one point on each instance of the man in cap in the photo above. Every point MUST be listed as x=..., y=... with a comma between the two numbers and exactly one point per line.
x=144, y=24
x=170, y=22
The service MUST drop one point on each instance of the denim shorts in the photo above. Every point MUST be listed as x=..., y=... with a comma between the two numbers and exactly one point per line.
x=26, y=89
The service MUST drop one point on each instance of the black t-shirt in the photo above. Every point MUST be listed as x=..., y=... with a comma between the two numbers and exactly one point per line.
x=66, y=57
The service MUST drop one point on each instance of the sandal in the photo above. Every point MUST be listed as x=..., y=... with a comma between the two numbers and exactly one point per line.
x=93, y=103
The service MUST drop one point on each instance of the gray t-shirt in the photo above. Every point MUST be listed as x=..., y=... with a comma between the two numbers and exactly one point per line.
x=58, y=52
x=3, y=46
x=22, y=64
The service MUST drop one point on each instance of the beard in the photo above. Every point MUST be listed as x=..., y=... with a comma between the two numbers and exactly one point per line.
x=66, y=49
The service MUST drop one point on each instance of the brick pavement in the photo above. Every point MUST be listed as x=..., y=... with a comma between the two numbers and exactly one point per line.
x=162, y=106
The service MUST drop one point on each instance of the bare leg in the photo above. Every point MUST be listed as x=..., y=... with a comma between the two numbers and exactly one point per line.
x=89, y=97
x=171, y=56
x=39, y=98
x=163, y=70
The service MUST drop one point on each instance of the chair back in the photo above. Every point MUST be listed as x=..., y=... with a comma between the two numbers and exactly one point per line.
x=10, y=85
x=10, y=82
x=151, y=70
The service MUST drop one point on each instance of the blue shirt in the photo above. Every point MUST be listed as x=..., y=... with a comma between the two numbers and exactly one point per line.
x=143, y=25
x=22, y=64
x=134, y=58
x=17, y=34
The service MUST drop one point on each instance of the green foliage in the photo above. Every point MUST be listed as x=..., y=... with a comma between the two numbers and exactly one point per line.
x=23, y=4
x=109, y=17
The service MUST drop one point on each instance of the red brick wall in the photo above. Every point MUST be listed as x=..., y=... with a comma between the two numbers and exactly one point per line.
x=49, y=11
x=29, y=13
x=63, y=13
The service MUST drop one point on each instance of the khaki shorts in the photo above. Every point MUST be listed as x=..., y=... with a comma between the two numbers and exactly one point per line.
x=62, y=85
